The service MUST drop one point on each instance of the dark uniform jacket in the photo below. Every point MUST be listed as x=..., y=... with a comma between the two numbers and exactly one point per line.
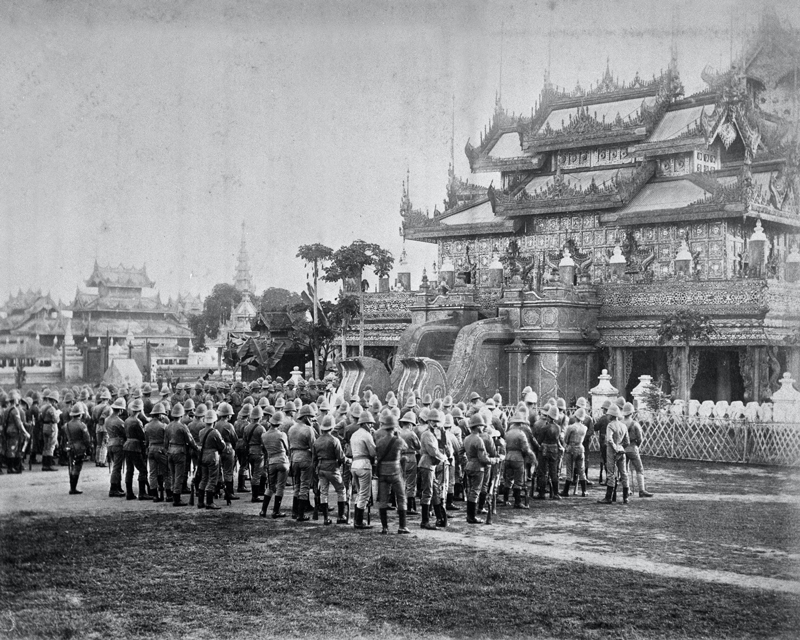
x=77, y=436
x=327, y=452
x=134, y=435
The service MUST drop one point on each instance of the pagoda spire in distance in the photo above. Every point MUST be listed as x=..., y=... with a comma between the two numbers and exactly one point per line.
x=243, y=280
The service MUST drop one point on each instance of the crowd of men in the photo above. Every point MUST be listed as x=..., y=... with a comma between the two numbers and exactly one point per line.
x=212, y=440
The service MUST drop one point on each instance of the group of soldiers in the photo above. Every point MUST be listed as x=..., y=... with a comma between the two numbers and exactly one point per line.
x=202, y=439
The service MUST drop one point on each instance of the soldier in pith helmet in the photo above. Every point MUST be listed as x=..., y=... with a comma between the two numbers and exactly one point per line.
x=156, y=454
x=115, y=428
x=211, y=446
x=176, y=439
x=134, y=451
x=78, y=444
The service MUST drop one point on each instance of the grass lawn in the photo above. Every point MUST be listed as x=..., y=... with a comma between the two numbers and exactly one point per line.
x=154, y=573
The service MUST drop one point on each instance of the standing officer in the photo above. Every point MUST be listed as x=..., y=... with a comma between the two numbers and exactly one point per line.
x=632, y=450
x=431, y=457
x=15, y=433
x=115, y=428
x=49, y=429
x=518, y=455
x=276, y=444
x=407, y=424
x=301, y=438
x=134, y=451
x=255, y=455
x=389, y=450
x=211, y=446
x=176, y=439
x=327, y=456
x=228, y=457
x=574, y=454
x=100, y=433
x=550, y=442
x=616, y=441
x=156, y=454
x=78, y=442
x=242, y=420
x=477, y=462
x=363, y=447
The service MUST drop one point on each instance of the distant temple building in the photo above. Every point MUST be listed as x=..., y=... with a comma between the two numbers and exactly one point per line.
x=612, y=208
x=114, y=312
x=30, y=326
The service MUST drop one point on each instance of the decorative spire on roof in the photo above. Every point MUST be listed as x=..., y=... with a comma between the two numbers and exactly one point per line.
x=243, y=280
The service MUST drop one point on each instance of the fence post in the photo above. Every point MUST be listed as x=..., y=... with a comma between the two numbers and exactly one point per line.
x=745, y=428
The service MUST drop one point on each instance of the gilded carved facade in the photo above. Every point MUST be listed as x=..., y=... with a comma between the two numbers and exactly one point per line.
x=615, y=207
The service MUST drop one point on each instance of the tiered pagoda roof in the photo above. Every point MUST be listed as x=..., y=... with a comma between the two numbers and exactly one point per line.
x=243, y=280
x=640, y=153
x=119, y=277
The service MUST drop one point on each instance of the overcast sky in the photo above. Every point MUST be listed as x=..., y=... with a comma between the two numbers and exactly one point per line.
x=147, y=132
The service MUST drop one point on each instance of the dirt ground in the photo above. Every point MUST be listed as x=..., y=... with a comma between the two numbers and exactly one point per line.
x=727, y=530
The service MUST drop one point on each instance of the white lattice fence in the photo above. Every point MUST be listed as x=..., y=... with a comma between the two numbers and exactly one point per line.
x=717, y=439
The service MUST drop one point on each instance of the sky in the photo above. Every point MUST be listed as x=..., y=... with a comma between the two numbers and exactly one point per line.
x=147, y=132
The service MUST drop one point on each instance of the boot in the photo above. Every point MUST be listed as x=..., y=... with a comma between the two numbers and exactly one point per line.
x=176, y=500
x=241, y=488
x=47, y=463
x=643, y=493
x=565, y=492
x=359, y=520
x=262, y=486
x=229, y=493
x=625, y=492
x=264, y=505
x=143, y=493
x=191, y=496
x=450, y=506
x=401, y=517
x=441, y=516
x=554, y=495
x=276, y=509
x=201, y=501
x=607, y=499
x=129, y=495
x=459, y=492
x=255, y=497
x=614, y=494
x=505, y=497
x=169, y=494
x=489, y=513
x=481, y=502
x=294, y=508
x=341, y=519
x=426, y=518
x=154, y=495
x=471, y=509
x=384, y=514
x=583, y=488
x=325, y=519
x=302, y=507
x=518, y=499
x=73, y=486
x=210, y=501
x=411, y=506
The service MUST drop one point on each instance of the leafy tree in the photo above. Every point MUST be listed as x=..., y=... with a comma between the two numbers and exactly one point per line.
x=277, y=299
x=680, y=329
x=349, y=262
x=217, y=309
x=320, y=338
x=315, y=256
x=255, y=353
x=653, y=397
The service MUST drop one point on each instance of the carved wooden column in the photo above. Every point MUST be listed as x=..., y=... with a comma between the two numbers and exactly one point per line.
x=793, y=362
x=618, y=356
x=517, y=355
x=756, y=390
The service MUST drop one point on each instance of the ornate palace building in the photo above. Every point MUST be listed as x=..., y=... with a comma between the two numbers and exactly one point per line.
x=612, y=208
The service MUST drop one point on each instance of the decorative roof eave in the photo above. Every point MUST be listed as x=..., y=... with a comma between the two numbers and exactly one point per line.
x=462, y=207
x=584, y=140
x=694, y=213
x=519, y=203
x=666, y=147
x=434, y=233
x=487, y=164
x=563, y=205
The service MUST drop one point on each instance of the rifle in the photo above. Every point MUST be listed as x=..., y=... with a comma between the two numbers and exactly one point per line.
x=315, y=484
